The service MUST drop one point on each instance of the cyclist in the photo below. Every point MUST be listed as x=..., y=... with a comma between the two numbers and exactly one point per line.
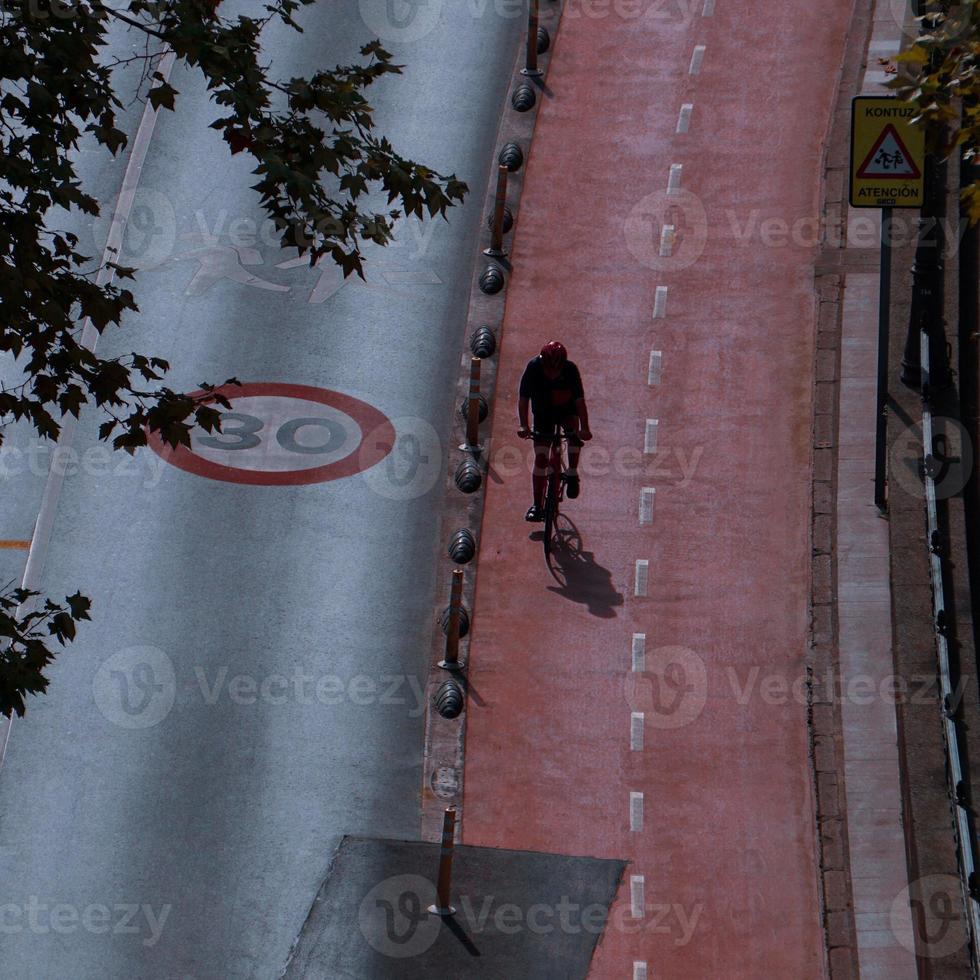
x=552, y=387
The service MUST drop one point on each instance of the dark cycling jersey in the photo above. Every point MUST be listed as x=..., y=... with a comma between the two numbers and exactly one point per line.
x=551, y=399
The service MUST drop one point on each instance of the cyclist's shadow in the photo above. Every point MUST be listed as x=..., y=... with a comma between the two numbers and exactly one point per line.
x=580, y=577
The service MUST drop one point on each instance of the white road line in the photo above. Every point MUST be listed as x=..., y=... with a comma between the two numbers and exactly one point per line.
x=647, y=495
x=653, y=369
x=642, y=572
x=666, y=241
x=636, y=896
x=684, y=119
x=674, y=178
x=696, y=60
x=636, y=731
x=41, y=539
x=639, y=970
x=636, y=812
x=660, y=303
x=708, y=9
x=650, y=436
x=639, y=652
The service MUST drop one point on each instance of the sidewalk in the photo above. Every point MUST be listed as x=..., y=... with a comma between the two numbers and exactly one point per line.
x=893, y=898
x=871, y=771
x=641, y=700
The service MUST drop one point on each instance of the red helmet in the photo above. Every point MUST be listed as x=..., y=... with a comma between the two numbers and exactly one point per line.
x=554, y=354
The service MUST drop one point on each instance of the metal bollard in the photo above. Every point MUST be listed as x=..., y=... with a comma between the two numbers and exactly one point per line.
x=531, y=58
x=462, y=546
x=508, y=220
x=464, y=409
x=452, y=632
x=523, y=98
x=442, y=906
x=464, y=621
x=491, y=280
x=483, y=343
x=449, y=700
x=472, y=444
x=497, y=233
x=511, y=156
x=544, y=40
x=468, y=476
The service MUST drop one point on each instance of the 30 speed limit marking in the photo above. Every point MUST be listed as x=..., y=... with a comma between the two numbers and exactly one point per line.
x=285, y=435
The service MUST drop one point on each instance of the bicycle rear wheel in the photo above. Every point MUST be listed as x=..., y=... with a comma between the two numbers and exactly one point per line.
x=550, y=513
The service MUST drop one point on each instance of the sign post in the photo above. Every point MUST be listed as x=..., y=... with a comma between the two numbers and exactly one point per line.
x=887, y=164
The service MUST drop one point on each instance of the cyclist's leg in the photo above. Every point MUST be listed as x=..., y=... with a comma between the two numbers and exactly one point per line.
x=539, y=478
x=542, y=452
x=570, y=423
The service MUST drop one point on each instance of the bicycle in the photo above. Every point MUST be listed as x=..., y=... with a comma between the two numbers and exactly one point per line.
x=556, y=474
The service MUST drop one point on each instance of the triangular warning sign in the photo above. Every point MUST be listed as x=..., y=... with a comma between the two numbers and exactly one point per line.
x=889, y=159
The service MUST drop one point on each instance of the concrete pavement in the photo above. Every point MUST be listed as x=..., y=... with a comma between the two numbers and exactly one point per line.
x=248, y=690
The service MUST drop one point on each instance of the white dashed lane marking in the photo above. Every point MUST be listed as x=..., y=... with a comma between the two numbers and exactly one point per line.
x=684, y=119
x=636, y=812
x=650, y=436
x=636, y=896
x=642, y=571
x=647, y=496
x=639, y=652
x=636, y=731
x=653, y=370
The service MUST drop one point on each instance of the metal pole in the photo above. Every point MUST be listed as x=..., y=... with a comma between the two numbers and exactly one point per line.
x=442, y=906
x=884, y=325
x=531, y=58
x=927, y=279
x=452, y=633
x=926, y=312
x=496, y=248
x=472, y=443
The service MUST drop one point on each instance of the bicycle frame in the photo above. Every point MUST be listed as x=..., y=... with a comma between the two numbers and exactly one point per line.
x=555, y=474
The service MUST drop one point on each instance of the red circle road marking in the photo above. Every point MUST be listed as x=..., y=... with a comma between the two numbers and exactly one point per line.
x=373, y=425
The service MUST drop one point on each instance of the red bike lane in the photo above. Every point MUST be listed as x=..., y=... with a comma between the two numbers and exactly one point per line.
x=665, y=724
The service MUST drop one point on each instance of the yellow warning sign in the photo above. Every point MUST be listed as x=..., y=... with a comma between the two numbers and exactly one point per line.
x=887, y=154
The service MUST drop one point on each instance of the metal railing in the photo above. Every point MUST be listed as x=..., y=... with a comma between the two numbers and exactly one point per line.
x=951, y=726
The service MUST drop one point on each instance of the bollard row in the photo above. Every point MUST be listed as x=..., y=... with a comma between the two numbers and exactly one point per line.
x=450, y=698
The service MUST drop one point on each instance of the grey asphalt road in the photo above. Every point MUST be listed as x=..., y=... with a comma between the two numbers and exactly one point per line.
x=250, y=688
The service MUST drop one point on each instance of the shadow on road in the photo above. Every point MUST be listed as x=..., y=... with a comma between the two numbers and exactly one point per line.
x=580, y=577
x=457, y=930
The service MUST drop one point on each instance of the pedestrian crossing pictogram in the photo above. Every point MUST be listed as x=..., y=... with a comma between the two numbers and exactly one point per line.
x=889, y=159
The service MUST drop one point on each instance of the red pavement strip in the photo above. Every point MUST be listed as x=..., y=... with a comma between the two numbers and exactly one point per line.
x=727, y=844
